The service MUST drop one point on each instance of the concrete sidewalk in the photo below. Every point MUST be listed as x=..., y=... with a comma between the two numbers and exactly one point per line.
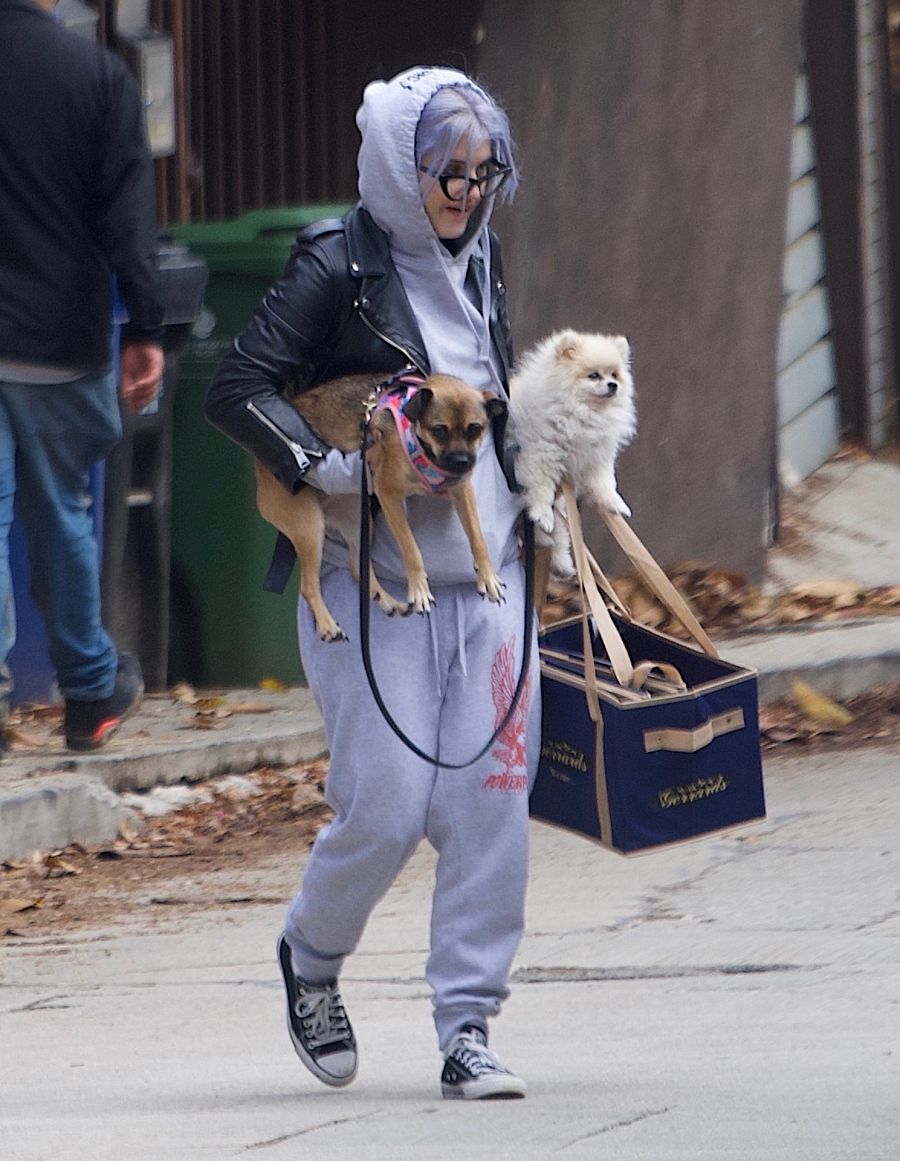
x=50, y=797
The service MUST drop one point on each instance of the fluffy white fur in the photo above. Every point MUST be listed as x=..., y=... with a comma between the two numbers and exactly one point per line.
x=572, y=400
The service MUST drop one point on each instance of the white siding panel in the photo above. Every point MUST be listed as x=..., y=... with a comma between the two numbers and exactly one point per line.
x=802, y=325
x=874, y=155
x=801, y=99
x=810, y=439
x=806, y=393
x=805, y=380
x=804, y=264
x=802, y=153
x=802, y=209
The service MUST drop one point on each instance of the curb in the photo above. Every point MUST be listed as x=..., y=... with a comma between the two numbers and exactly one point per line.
x=841, y=659
x=49, y=800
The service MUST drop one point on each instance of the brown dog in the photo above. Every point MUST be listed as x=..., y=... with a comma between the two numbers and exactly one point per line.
x=449, y=419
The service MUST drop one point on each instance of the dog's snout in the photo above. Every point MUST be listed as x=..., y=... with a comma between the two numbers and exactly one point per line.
x=457, y=462
x=612, y=386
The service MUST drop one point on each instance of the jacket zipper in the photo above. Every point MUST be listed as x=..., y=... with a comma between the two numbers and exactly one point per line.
x=390, y=342
x=299, y=452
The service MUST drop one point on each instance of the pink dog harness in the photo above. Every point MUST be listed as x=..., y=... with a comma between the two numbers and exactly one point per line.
x=435, y=479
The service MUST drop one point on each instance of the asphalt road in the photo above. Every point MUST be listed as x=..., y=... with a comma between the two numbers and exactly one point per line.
x=734, y=998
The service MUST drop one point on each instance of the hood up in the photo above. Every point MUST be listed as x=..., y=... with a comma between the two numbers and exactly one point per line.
x=388, y=179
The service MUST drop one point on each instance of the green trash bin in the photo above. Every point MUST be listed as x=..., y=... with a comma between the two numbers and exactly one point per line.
x=225, y=630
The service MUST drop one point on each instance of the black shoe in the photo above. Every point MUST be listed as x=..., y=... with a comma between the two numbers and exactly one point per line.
x=473, y=1073
x=90, y=724
x=318, y=1025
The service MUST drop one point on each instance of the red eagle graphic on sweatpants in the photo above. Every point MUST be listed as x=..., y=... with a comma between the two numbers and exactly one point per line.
x=509, y=750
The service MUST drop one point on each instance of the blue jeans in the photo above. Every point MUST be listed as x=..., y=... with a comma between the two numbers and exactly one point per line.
x=50, y=435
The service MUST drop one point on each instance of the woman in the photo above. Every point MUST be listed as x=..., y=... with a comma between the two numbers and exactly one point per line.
x=411, y=275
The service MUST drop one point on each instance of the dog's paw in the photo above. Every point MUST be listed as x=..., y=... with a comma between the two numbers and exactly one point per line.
x=562, y=565
x=329, y=630
x=542, y=515
x=614, y=502
x=419, y=597
x=388, y=604
x=492, y=587
x=542, y=539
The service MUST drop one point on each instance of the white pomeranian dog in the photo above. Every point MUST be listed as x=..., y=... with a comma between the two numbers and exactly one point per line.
x=572, y=402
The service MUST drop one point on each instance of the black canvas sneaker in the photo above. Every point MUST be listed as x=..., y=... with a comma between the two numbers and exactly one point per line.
x=318, y=1025
x=473, y=1073
x=90, y=724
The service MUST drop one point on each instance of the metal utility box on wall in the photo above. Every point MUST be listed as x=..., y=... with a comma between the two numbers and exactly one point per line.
x=151, y=58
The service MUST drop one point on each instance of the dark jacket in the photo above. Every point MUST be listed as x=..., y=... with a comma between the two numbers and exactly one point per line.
x=338, y=309
x=76, y=196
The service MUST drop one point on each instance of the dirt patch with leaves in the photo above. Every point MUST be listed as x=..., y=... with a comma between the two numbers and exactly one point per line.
x=197, y=854
x=810, y=722
x=726, y=604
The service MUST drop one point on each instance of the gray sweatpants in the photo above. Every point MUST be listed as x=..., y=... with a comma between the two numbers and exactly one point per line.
x=447, y=680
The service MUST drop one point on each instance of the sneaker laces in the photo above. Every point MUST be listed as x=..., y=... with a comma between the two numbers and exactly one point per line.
x=323, y=1015
x=474, y=1055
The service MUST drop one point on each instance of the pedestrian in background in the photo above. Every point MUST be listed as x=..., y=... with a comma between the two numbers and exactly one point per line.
x=76, y=207
x=411, y=276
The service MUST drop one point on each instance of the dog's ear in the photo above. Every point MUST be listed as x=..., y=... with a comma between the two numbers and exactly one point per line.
x=564, y=343
x=493, y=404
x=624, y=348
x=414, y=408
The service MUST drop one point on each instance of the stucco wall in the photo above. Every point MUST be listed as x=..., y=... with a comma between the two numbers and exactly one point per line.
x=655, y=140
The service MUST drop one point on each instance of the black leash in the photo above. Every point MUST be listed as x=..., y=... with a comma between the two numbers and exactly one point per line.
x=365, y=601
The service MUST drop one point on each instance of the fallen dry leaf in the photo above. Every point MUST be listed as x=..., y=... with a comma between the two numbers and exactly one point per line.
x=16, y=736
x=305, y=799
x=273, y=684
x=251, y=707
x=183, y=693
x=13, y=906
x=204, y=722
x=127, y=831
x=819, y=706
x=826, y=589
x=205, y=704
x=56, y=865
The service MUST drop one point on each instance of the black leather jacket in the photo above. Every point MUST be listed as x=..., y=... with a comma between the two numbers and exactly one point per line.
x=338, y=309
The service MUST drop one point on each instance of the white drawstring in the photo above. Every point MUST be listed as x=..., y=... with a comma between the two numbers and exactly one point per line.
x=461, y=635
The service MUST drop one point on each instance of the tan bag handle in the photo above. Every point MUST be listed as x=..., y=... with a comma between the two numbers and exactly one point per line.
x=670, y=675
x=609, y=634
x=656, y=579
x=615, y=646
x=590, y=574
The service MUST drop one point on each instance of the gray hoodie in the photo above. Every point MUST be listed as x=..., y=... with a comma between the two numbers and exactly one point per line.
x=454, y=329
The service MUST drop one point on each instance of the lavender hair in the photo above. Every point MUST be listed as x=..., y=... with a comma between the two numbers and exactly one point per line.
x=459, y=112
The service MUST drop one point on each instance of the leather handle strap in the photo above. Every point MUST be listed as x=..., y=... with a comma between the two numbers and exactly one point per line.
x=656, y=579
x=609, y=634
x=590, y=575
x=690, y=741
x=647, y=669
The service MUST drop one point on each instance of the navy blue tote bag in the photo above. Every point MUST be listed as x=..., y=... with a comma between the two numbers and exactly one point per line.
x=646, y=740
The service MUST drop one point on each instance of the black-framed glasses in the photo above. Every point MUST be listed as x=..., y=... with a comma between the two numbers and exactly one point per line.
x=455, y=186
